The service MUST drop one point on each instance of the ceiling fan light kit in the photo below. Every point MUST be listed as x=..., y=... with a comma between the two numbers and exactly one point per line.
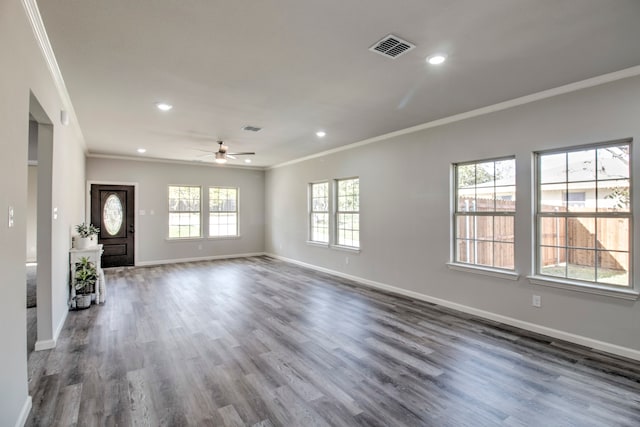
x=221, y=156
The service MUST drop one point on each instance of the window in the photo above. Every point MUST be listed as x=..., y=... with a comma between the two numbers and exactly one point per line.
x=584, y=214
x=348, y=212
x=184, y=212
x=319, y=212
x=223, y=212
x=485, y=207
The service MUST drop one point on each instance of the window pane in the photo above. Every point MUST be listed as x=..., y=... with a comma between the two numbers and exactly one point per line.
x=613, y=268
x=465, y=251
x=484, y=252
x=112, y=215
x=465, y=227
x=485, y=199
x=503, y=255
x=613, y=234
x=467, y=200
x=552, y=198
x=553, y=261
x=613, y=162
x=466, y=175
x=506, y=172
x=553, y=168
x=581, y=232
x=485, y=174
x=506, y=198
x=582, y=165
x=503, y=228
x=614, y=196
x=581, y=197
x=484, y=227
x=552, y=231
x=581, y=264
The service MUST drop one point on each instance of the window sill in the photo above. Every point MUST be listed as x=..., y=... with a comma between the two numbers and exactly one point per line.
x=320, y=244
x=485, y=271
x=235, y=237
x=184, y=239
x=346, y=248
x=588, y=288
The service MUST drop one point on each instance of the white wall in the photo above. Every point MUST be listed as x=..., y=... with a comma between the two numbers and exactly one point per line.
x=405, y=209
x=24, y=70
x=153, y=179
x=32, y=203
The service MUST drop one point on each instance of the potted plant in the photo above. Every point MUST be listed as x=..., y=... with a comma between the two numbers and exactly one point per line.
x=86, y=236
x=86, y=277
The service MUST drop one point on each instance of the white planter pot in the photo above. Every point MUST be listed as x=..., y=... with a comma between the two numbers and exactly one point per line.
x=85, y=242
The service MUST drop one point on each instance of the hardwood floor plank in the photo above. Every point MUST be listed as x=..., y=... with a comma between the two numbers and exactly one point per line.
x=260, y=342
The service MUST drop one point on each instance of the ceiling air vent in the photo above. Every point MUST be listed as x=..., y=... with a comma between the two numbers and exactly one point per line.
x=251, y=128
x=392, y=46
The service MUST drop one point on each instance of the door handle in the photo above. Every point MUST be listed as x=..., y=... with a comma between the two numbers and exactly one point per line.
x=131, y=229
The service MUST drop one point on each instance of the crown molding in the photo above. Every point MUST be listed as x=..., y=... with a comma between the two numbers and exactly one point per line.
x=35, y=20
x=527, y=99
x=172, y=161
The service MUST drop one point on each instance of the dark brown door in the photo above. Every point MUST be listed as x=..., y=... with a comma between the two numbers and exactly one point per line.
x=112, y=210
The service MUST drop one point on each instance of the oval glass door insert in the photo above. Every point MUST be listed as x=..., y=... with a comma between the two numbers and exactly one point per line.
x=112, y=215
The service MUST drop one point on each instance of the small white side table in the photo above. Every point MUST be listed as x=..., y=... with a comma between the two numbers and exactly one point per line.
x=93, y=254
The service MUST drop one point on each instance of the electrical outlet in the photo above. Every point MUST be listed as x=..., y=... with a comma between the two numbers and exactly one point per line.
x=537, y=301
x=199, y=247
x=346, y=260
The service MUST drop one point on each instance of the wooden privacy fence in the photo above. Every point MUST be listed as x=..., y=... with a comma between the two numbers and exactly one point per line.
x=490, y=241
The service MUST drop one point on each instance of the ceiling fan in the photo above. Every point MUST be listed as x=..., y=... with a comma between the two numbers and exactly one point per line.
x=222, y=154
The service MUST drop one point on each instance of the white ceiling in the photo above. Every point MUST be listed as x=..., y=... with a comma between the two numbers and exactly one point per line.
x=293, y=67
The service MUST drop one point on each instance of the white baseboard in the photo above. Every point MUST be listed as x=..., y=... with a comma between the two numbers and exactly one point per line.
x=544, y=330
x=204, y=258
x=49, y=344
x=24, y=412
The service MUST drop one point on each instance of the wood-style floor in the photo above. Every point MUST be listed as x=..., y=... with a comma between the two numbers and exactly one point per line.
x=260, y=342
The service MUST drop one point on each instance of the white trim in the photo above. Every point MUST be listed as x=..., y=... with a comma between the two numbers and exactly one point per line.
x=32, y=163
x=40, y=32
x=49, y=344
x=588, y=288
x=172, y=161
x=24, y=412
x=560, y=90
x=319, y=244
x=45, y=345
x=344, y=248
x=486, y=271
x=554, y=333
x=136, y=208
x=195, y=259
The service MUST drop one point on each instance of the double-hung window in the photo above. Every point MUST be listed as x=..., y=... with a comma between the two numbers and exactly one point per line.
x=184, y=212
x=584, y=213
x=484, y=215
x=223, y=212
x=348, y=212
x=319, y=212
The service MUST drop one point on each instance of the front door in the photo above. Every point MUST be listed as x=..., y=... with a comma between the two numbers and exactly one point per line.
x=112, y=210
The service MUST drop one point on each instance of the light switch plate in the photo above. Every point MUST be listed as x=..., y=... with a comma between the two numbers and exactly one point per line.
x=11, y=216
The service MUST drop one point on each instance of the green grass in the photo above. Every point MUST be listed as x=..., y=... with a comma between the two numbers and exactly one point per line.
x=581, y=272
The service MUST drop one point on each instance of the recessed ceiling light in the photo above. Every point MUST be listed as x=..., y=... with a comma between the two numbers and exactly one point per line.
x=437, y=59
x=247, y=160
x=163, y=106
x=321, y=134
x=142, y=150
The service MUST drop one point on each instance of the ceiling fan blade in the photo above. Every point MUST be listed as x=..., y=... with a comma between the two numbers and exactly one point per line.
x=206, y=155
x=231, y=156
x=242, y=154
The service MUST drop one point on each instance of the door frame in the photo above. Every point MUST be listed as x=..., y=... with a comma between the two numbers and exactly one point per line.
x=135, y=206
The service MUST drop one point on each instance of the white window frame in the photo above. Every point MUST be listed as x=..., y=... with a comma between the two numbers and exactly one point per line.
x=170, y=211
x=313, y=212
x=595, y=287
x=490, y=270
x=213, y=212
x=338, y=212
